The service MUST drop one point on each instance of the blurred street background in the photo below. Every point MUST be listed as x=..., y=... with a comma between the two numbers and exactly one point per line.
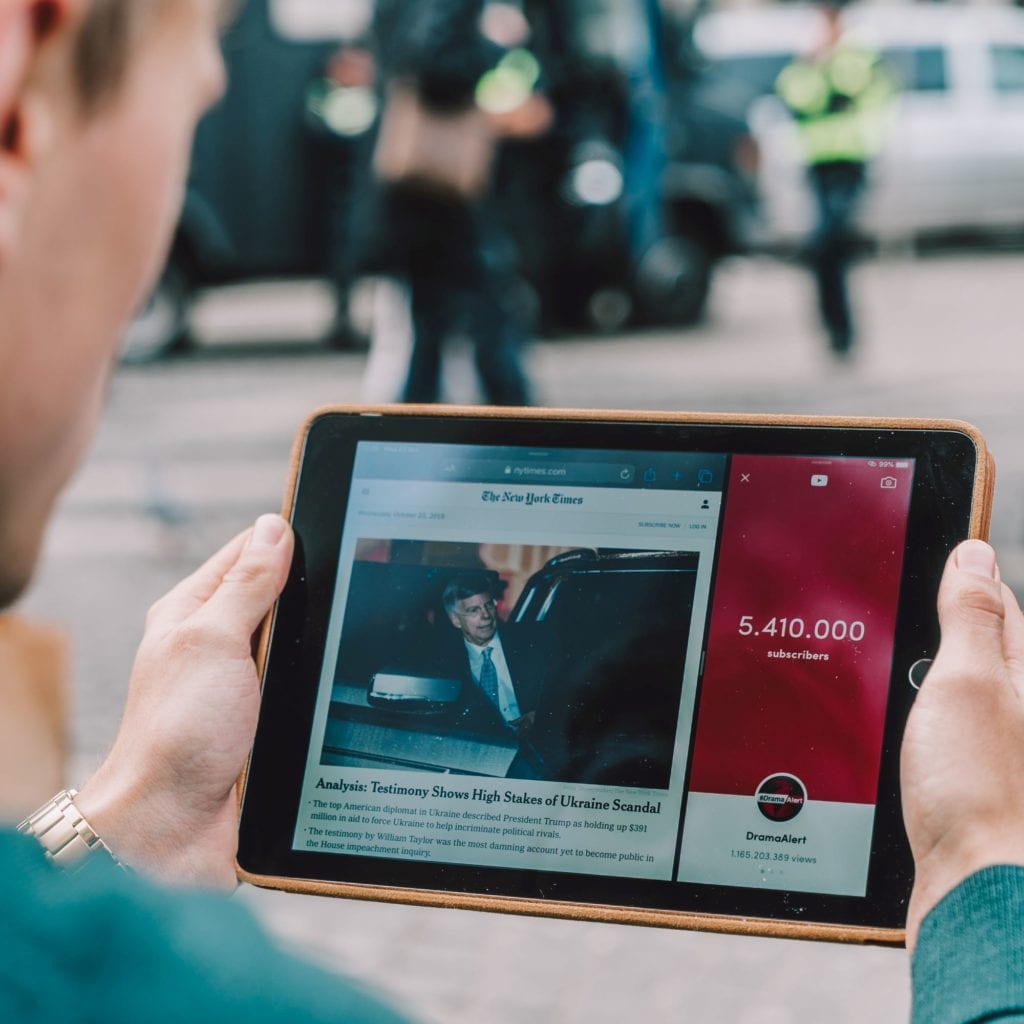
x=703, y=302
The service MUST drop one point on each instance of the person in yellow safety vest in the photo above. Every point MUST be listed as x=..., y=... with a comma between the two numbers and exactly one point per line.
x=839, y=95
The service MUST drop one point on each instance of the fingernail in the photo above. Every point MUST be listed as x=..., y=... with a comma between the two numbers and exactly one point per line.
x=977, y=557
x=269, y=529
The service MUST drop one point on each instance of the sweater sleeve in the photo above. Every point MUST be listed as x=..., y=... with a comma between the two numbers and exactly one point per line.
x=104, y=945
x=969, y=962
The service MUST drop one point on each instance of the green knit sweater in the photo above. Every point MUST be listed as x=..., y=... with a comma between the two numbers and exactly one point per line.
x=105, y=947
x=969, y=960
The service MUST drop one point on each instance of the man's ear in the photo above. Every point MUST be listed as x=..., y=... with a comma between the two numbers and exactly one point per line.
x=26, y=26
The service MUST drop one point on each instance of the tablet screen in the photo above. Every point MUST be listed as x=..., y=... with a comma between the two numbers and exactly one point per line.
x=647, y=665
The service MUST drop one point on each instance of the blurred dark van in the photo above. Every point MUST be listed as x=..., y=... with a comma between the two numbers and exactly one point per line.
x=264, y=172
x=274, y=165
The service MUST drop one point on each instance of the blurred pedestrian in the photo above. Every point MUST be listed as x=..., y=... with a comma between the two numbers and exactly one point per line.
x=645, y=142
x=340, y=110
x=838, y=94
x=449, y=95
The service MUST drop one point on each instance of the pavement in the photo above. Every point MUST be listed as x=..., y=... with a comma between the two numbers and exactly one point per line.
x=192, y=449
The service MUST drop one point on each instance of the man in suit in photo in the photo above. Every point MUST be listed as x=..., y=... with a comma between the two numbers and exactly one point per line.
x=502, y=682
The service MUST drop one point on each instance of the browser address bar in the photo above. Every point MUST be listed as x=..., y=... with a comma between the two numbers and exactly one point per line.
x=494, y=470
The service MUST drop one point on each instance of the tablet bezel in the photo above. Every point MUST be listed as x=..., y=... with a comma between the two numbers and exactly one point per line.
x=951, y=500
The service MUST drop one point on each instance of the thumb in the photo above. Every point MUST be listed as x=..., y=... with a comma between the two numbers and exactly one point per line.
x=250, y=587
x=972, y=612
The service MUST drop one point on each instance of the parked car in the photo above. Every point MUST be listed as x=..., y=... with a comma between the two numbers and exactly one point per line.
x=954, y=156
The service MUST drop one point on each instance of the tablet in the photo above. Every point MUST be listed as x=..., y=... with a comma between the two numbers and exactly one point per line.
x=649, y=668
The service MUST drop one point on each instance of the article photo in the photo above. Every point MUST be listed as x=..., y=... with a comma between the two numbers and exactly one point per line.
x=513, y=661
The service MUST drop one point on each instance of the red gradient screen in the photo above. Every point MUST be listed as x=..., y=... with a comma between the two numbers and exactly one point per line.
x=800, y=642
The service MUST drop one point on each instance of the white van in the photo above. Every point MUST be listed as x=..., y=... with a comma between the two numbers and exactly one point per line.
x=954, y=156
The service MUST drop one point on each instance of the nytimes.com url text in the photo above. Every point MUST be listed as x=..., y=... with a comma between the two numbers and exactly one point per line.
x=546, y=472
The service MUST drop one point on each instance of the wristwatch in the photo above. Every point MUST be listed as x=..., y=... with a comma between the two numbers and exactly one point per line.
x=68, y=840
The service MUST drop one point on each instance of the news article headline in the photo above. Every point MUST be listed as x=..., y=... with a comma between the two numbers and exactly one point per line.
x=534, y=826
x=491, y=796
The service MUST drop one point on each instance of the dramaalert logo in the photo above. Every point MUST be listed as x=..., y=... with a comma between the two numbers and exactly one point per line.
x=781, y=797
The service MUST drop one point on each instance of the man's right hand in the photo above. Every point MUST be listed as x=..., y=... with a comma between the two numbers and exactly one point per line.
x=164, y=799
x=962, y=764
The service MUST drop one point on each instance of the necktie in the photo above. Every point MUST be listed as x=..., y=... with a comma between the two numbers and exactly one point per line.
x=489, y=677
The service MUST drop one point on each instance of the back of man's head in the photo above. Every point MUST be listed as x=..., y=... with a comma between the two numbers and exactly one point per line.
x=98, y=103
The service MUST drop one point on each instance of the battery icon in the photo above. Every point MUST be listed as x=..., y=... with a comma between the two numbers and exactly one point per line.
x=903, y=465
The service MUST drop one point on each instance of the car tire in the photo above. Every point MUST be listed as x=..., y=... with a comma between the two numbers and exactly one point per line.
x=161, y=326
x=674, y=280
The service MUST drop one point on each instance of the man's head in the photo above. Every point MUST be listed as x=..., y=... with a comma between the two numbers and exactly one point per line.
x=834, y=22
x=98, y=104
x=470, y=606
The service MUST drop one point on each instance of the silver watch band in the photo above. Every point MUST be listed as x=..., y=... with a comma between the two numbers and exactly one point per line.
x=66, y=837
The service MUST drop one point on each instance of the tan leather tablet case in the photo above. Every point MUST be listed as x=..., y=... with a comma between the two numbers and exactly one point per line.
x=981, y=512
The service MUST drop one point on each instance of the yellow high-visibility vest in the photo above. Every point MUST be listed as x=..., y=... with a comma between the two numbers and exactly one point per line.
x=840, y=103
